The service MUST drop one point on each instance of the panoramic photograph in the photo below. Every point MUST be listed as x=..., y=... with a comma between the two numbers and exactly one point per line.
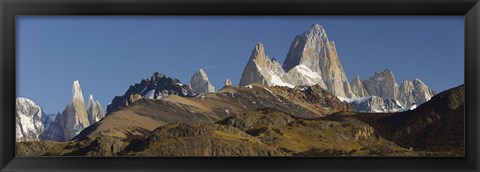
x=196, y=86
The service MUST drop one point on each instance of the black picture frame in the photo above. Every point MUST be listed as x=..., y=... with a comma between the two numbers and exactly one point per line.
x=9, y=9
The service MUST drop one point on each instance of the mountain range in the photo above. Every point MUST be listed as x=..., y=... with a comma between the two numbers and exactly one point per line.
x=313, y=60
x=303, y=107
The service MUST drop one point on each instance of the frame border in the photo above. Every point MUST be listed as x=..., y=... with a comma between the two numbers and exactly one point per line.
x=9, y=9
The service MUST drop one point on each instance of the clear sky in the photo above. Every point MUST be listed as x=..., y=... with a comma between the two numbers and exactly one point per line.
x=107, y=54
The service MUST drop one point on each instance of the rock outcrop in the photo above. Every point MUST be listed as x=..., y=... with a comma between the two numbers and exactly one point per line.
x=200, y=83
x=382, y=84
x=228, y=82
x=414, y=92
x=156, y=87
x=261, y=69
x=94, y=110
x=357, y=87
x=28, y=120
x=72, y=120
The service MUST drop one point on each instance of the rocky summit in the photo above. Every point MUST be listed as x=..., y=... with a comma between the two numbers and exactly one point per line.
x=316, y=52
x=228, y=82
x=157, y=86
x=200, y=83
x=261, y=69
x=94, y=110
x=72, y=120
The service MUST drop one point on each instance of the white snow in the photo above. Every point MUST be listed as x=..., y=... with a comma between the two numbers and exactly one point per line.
x=28, y=120
x=249, y=86
x=413, y=107
x=150, y=94
x=356, y=100
x=418, y=80
x=304, y=70
x=90, y=101
x=398, y=103
x=276, y=80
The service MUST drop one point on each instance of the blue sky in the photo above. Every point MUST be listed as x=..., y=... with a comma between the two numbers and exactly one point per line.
x=107, y=54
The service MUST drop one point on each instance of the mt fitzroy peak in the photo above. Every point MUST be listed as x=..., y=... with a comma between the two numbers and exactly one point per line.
x=313, y=60
x=314, y=50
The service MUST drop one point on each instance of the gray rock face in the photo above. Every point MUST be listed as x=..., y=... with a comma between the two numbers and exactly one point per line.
x=414, y=92
x=357, y=87
x=262, y=69
x=156, y=87
x=200, y=83
x=28, y=119
x=94, y=110
x=72, y=120
x=314, y=50
x=382, y=84
x=48, y=121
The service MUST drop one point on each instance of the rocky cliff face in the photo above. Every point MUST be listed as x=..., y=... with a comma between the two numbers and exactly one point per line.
x=94, y=110
x=261, y=69
x=28, y=120
x=414, y=92
x=357, y=87
x=157, y=86
x=382, y=84
x=314, y=50
x=72, y=120
x=200, y=83
x=312, y=60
